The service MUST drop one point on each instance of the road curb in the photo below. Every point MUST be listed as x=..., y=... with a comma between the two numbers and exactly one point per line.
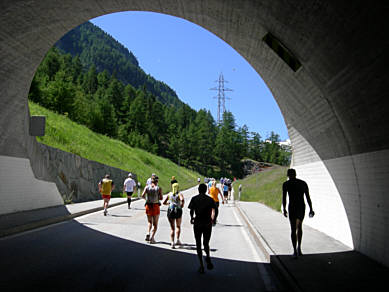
x=54, y=220
x=270, y=255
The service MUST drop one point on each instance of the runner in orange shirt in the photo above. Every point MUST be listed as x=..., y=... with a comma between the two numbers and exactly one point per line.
x=214, y=193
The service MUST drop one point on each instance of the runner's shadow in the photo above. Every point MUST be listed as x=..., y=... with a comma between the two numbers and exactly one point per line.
x=138, y=209
x=229, y=205
x=121, y=215
x=187, y=246
x=229, y=225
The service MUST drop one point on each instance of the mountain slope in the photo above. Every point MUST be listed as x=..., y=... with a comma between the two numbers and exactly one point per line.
x=96, y=47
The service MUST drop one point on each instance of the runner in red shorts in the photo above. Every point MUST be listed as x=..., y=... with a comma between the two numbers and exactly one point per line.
x=106, y=186
x=152, y=194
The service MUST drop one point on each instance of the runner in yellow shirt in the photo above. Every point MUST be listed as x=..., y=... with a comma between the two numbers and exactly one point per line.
x=106, y=186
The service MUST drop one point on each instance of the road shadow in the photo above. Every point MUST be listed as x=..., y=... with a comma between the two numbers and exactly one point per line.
x=73, y=257
x=338, y=271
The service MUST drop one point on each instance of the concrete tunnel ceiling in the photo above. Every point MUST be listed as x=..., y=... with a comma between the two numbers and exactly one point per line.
x=334, y=106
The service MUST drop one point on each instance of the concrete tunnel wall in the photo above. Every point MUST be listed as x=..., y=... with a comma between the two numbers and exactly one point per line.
x=334, y=106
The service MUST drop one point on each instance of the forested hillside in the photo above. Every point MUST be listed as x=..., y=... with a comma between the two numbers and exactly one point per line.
x=94, y=47
x=69, y=136
x=136, y=116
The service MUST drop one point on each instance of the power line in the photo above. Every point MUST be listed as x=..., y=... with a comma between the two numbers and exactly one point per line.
x=221, y=97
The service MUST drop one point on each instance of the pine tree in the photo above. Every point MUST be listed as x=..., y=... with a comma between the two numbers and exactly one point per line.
x=255, y=148
x=50, y=64
x=109, y=118
x=114, y=95
x=90, y=83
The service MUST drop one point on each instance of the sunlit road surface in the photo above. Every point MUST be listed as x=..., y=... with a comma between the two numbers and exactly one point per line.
x=109, y=253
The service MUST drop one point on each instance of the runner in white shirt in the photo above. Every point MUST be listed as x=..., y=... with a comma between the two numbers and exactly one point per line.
x=148, y=182
x=129, y=187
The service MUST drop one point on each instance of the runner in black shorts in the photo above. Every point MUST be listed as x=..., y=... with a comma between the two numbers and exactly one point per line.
x=296, y=188
x=225, y=190
x=175, y=200
x=204, y=208
x=129, y=187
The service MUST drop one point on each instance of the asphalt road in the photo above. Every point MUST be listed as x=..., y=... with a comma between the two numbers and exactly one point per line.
x=109, y=253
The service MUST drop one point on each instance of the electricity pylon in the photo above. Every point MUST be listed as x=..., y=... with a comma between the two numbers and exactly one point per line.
x=221, y=97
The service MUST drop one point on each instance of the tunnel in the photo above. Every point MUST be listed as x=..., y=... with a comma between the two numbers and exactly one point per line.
x=325, y=63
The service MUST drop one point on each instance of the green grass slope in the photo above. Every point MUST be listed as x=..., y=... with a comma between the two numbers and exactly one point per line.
x=64, y=134
x=264, y=187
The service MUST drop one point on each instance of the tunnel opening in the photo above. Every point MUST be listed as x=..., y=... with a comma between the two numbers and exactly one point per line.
x=335, y=96
x=338, y=226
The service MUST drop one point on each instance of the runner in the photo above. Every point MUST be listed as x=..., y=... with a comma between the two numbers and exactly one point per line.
x=229, y=184
x=173, y=180
x=152, y=194
x=175, y=200
x=106, y=186
x=204, y=208
x=296, y=189
x=129, y=187
x=225, y=191
x=210, y=183
x=148, y=182
x=214, y=192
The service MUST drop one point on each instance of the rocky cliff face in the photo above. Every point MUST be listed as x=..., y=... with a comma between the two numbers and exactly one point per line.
x=252, y=166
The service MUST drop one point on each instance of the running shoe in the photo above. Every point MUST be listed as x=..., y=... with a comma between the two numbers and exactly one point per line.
x=178, y=242
x=172, y=245
x=105, y=212
x=152, y=241
x=209, y=263
x=147, y=237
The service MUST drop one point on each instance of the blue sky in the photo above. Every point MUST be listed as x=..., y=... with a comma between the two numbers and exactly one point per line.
x=189, y=59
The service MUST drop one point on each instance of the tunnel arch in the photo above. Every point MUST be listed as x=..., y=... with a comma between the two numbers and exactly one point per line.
x=334, y=106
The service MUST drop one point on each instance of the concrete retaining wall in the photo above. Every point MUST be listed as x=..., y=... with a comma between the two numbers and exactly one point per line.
x=77, y=177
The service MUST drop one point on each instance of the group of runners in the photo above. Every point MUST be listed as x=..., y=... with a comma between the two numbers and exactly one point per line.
x=152, y=194
x=204, y=208
x=203, y=211
x=106, y=186
x=225, y=185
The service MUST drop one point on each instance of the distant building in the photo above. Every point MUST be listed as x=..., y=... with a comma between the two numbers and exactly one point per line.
x=286, y=145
